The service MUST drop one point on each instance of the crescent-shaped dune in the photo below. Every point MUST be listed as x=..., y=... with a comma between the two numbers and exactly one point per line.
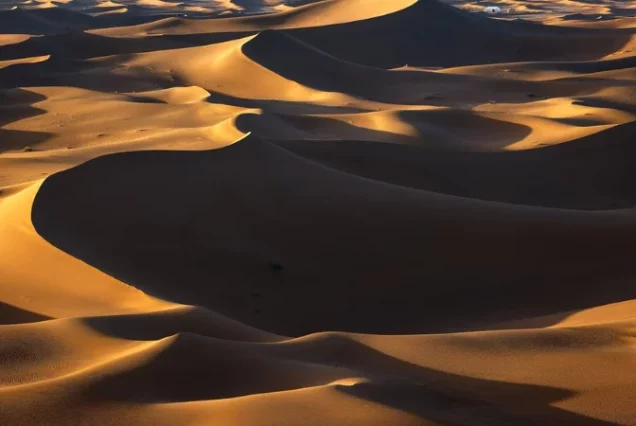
x=336, y=212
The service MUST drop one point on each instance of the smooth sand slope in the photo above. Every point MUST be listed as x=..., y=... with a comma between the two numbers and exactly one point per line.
x=340, y=212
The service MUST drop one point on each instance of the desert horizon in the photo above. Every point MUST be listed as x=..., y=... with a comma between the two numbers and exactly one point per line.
x=329, y=212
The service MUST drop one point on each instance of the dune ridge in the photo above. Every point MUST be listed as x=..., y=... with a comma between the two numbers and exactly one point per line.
x=337, y=212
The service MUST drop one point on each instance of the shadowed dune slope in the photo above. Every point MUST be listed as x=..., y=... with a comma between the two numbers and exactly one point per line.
x=429, y=33
x=43, y=21
x=82, y=45
x=422, y=33
x=342, y=241
x=593, y=172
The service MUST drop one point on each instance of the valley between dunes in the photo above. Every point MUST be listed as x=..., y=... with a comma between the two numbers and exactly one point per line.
x=340, y=212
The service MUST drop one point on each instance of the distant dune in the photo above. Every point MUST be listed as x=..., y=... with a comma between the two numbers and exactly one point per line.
x=337, y=212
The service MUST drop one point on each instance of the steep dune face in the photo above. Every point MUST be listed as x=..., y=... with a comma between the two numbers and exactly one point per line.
x=591, y=173
x=203, y=206
x=324, y=250
x=43, y=21
x=429, y=33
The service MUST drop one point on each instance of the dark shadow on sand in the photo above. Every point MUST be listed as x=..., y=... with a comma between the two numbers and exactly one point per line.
x=426, y=393
x=13, y=315
x=17, y=104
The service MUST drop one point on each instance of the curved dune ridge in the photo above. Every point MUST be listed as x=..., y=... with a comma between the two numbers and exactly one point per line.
x=338, y=212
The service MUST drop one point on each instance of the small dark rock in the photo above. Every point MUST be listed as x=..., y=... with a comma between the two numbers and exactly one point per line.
x=27, y=149
x=276, y=267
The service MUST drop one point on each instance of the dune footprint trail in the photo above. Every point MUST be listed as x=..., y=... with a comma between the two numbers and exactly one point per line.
x=338, y=212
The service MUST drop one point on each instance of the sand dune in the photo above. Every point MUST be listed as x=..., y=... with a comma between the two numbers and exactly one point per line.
x=347, y=279
x=43, y=21
x=408, y=37
x=590, y=173
x=338, y=212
